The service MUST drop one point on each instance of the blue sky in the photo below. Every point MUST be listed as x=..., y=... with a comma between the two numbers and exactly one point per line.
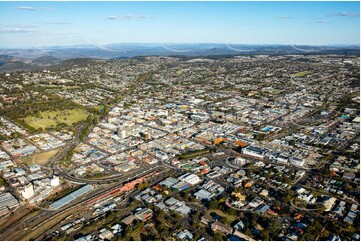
x=36, y=24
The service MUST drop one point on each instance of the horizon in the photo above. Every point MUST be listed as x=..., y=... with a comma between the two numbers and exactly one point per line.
x=159, y=43
x=25, y=25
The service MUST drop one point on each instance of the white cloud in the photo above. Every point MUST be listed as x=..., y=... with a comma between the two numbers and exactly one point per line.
x=284, y=17
x=26, y=8
x=129, y=17
x=344, y=14
x=18, y=29
x=63, y=32
x=57, y=23
x=29, y=8
x=321, y=21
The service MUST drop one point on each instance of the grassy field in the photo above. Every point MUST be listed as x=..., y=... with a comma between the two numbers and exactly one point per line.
x=52, y=118
x=40, y=159
x=302, y=73
x=230, y=218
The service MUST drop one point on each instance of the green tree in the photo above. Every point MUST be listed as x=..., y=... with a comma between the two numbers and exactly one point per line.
x=214, y=204
x=218, y=236
x=265, y=235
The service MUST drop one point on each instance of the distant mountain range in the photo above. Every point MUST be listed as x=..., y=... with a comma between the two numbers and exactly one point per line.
x=35, y=58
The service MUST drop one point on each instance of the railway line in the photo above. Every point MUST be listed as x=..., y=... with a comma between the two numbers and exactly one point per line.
x=41, y=219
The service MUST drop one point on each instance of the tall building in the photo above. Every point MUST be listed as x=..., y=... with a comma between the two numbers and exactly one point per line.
x=27, y=191
x=55, y=181
x=123, y=134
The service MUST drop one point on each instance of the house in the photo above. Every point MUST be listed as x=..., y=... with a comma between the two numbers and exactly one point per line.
x=117, y=228
x=218, y=226
x=105, y=234
x=206, y=219
x=263, y=208
x=334, y=238
x=239, y=226
x=184, y=235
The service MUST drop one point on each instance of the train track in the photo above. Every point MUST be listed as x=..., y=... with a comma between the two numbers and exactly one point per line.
x=46, y=216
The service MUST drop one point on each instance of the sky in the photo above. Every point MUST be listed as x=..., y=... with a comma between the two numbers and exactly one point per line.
x=62, y=23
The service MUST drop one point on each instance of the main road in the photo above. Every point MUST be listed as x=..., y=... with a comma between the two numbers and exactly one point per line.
x=33, y=224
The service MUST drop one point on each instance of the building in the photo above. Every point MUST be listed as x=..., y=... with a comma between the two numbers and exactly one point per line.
x=206, y=219
x=7, y=202
x=218, y=226
x=123, y=134
x=239, y=226
x=27, y=191
x=184, y=235
x=240, y=161
x=328, y=202
x=117, y=229
x=123, y=167
x=334, y=238
x=71, y=197
x=190, y=178
x=55, y=181
x=203, y=195
x=27, y=150
x=262, y=209
x=128, y=220
x=254, y=151
x=144, y=214
x=105, y=234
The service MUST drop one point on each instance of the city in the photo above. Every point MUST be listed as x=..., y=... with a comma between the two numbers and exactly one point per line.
x=173, y=147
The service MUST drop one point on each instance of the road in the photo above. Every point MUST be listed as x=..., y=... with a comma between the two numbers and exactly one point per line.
x=34, y=221
x=115, y=178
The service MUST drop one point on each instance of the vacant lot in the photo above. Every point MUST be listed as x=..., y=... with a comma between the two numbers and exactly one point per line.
x=52, y=118
x=40, y=159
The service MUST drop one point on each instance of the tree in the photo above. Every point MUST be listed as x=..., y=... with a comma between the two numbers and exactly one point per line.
x=274, y=226
x=287, y=196
x=213, y=204
x=248, y=232
x=196, y=218
x=309, y=237
x=224, y=220
x=265, y=235
x=218, y=236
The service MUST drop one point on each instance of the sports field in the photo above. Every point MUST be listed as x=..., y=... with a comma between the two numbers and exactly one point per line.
x=52, y=118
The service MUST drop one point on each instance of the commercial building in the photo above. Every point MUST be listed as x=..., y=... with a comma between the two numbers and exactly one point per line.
x=190, y=178
x=254, y=151
x=27, y=191
x=55, y=181
x=144, y=214
x=71, y=197
x=7, y=202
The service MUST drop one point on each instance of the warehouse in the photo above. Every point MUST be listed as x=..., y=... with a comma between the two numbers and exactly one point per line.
x=7, y=202
x=144, y=214
x=70, y=197
x=190, y=178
